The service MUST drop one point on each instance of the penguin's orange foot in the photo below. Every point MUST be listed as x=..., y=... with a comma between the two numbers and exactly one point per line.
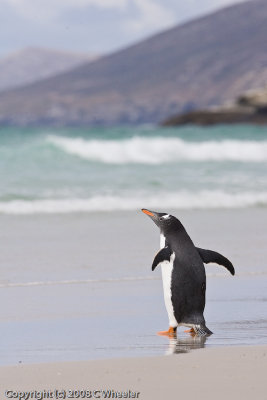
x=171, y=332
x=190, y=331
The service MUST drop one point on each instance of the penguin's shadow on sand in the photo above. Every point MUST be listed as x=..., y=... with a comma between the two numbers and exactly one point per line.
x=184, y=345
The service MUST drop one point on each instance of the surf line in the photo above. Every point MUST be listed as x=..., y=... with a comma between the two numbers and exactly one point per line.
x=76, y=281
x=110, y=280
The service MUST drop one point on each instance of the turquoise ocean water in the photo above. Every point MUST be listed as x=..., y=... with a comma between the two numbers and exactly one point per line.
x=105, y=169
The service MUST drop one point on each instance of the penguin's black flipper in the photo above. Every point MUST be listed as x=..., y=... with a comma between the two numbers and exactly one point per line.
x=163, y=255
x=209, y=256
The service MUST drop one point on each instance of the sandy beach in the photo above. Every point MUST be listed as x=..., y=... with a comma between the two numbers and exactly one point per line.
x=77, y=316
x=232, y=373
x=57, y=278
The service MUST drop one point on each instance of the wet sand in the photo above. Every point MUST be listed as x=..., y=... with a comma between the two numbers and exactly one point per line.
x=222, y=373
x=80, y=287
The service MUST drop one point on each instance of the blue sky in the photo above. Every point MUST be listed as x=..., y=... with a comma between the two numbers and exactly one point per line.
x=92, y=26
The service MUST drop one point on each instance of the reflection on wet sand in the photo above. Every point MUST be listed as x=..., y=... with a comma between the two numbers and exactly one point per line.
x=184, y=345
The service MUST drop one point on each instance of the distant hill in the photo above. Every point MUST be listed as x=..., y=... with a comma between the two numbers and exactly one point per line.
x=32, y=64
x=201, y=63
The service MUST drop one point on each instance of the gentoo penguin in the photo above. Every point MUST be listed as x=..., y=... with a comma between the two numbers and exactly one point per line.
x=183, y=274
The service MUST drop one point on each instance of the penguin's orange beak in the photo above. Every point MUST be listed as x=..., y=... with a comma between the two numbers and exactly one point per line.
x=148, y=212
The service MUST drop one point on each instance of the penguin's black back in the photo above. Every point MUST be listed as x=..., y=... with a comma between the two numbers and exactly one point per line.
x=188, y=283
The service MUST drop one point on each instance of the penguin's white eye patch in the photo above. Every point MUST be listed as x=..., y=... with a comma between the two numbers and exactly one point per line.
x=165, y=216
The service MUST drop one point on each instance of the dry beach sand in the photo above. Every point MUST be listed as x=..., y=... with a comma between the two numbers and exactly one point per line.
x=222, y=373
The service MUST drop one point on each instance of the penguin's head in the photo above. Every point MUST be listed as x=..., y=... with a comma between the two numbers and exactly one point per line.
x=165, y=222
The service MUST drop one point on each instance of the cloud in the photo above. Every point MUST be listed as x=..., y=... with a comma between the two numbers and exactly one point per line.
x=190, y=9
x=147, y=15
x=151, y=15
x=40, y=9
x=97, y=26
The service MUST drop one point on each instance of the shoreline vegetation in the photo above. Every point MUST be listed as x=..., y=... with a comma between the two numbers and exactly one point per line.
x=249, y=108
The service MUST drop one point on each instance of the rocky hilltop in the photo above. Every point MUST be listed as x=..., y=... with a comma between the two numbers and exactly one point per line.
x=192, y=66
x=33, y=64
x=250, y=107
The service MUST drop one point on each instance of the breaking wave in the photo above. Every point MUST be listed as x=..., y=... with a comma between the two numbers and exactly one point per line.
x=160, y=150
x=172, y=200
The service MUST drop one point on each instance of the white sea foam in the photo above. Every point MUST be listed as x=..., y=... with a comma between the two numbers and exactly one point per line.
x=172, y=200
x=161, y=150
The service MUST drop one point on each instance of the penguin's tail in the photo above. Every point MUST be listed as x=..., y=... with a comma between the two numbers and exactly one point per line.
x=202, y=330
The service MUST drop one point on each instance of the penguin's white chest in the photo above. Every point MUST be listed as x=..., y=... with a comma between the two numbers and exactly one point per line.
x=166, y=272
